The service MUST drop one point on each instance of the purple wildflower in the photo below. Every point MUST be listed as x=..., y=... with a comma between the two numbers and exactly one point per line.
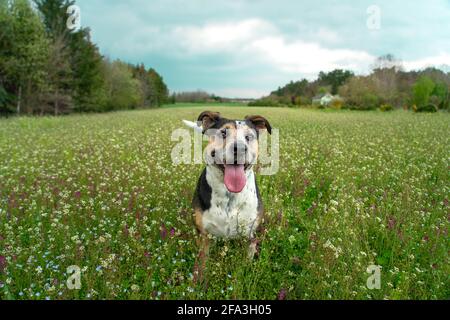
x=282, y=294
x=391, y=223
x=125, y=231
x=2, y=263
x=163, y=232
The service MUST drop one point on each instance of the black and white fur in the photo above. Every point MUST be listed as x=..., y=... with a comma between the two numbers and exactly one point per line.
x=219, y=212
x=224, y=214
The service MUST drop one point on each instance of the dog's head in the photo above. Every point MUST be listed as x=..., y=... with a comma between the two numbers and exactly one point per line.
x=233, y=145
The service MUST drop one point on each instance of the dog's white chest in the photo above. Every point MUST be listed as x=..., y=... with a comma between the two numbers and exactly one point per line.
x=232, y=215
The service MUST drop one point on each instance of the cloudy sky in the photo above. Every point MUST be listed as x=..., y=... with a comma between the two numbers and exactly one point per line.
x=247, y=48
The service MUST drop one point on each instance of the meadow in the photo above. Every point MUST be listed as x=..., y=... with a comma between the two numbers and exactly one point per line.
x=354, y=189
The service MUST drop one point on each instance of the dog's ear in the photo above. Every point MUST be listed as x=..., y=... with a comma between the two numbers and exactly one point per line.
x=208, y=119
x=260, y=123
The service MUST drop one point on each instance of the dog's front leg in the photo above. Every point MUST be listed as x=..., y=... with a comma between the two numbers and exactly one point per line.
x=204, y=247
x=257, y=229
x=253, y=248
x=200, y=268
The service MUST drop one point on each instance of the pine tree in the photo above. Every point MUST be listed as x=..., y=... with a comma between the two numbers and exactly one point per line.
x=159, y=93
x=140, y=74
x=87, y=85
x=23, y=53
x=154, y=90
x=54, y=15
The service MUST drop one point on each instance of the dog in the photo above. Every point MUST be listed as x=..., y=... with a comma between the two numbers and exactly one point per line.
x=227, y=203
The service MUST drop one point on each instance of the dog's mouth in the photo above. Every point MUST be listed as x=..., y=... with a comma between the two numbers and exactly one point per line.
x=234, y=176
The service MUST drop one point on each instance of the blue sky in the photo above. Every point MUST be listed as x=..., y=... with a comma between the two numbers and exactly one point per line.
x=247, y=48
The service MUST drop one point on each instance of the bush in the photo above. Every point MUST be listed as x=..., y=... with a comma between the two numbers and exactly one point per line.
x=366, y=102
x=336, y=104
x=426, y=108
x=370, y=101
x=422, y=90
x=318, y=106
x=386, y=107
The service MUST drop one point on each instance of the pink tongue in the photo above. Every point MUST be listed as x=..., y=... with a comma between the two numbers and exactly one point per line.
x=235, y=179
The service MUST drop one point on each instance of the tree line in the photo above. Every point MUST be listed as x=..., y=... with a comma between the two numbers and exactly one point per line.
x=387, y=87
x=198, y=96
x=45, y=68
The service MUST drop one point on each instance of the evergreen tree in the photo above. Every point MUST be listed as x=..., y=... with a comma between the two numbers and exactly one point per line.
x=153, y=89
x=54, y=15
x=87, y=85
x=86, y=62
x=59, y=79
x=140, y=74
x=335, y=79
x=46, y=68
x=23, y=53
x=159, y=93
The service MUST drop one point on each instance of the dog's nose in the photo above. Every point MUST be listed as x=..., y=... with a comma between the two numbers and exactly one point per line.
x=237, y=153
x=239, y=147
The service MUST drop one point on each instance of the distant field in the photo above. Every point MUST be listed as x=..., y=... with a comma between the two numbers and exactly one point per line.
x=99, y=191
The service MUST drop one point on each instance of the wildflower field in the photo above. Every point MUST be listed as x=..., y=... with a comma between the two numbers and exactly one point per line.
x=100, y=192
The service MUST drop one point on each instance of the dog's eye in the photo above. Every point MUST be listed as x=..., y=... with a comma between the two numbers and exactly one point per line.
x=224, y=133
x=249, y=137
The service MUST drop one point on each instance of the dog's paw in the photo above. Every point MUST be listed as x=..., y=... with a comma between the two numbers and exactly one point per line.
x=253, y=249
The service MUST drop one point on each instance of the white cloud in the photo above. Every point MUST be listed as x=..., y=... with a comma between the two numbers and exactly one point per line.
x=327, y=36
x=309, y=58
x=219, y=37
x=250, y=41
x=197, y=45
x=442, y=59
x=259, y=40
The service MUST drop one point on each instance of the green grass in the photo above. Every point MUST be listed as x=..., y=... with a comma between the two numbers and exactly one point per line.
x=99, y=191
